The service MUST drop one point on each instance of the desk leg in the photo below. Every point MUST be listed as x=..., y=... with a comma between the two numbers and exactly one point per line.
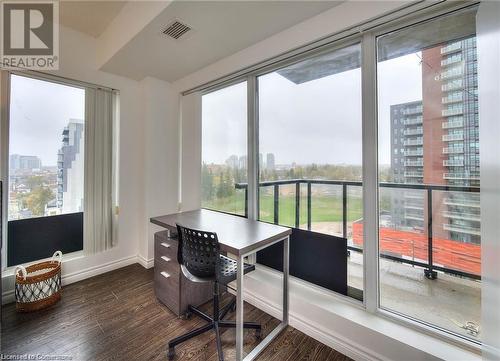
x=239, y=309
x=286, y=272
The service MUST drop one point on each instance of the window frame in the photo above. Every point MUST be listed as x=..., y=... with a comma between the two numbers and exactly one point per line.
x=367, y=37
x=5, y=92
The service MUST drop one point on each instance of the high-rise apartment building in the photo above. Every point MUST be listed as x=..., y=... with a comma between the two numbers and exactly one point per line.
x=70, y=168
x=270, y=164
x=436, y=141
x=24, y=162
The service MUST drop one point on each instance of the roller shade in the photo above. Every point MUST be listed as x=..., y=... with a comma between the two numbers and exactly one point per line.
x=415, y=38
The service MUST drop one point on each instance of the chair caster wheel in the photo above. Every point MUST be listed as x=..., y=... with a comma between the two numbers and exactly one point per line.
x=187, y=315
x=171, y=354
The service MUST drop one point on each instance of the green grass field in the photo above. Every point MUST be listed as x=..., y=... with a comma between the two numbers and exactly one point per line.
x=325, y=208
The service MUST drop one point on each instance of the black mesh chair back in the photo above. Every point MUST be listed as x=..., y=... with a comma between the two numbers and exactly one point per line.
x=198, y=251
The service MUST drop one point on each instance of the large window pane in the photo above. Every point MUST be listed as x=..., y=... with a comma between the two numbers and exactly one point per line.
x=46, y=165
x=429, y=240
x=45, y=148
x=310, y=149
x=224, y=149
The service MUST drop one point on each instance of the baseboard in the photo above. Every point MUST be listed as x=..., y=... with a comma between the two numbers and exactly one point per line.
x=146, y=263
x=97, y=270
x=9, y=296
x=301, y=323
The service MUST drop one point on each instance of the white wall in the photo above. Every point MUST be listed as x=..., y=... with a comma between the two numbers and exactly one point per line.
x=77, y=52
x=161, y=148
x=488, y=43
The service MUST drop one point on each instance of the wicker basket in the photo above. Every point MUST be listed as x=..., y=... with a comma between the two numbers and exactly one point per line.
x=38, y=286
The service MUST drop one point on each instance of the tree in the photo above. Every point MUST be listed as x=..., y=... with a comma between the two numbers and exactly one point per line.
x=37, y=200
x=207, y=183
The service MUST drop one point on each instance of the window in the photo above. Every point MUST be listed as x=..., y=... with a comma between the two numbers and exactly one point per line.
x=309, y=155
x=46, y=162
x=310, y=150
x=429, y=228
x=224, y=149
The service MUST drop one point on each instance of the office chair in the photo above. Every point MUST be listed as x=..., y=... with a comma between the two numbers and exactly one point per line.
x=201, y=261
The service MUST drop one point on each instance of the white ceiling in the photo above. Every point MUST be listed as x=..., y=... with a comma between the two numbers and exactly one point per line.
x=221, y=28
x=89, y=17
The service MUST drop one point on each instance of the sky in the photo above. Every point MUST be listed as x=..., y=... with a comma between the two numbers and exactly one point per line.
x=314, y=122
x=39, y=111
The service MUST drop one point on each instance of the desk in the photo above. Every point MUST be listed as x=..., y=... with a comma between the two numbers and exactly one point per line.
x=240, y=237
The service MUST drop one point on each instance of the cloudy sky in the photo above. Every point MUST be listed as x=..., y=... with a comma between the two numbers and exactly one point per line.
x=318, y=121
x=39, y=112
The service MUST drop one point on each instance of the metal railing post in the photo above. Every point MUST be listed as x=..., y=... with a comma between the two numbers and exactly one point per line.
x=276, y=203
x=429, y=272
x=297, y=204
x=309, y=206
x=344, y=210
x=246, y=202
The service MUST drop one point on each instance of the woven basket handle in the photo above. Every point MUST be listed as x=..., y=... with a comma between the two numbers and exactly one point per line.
x=57, y=257
x=24, y=273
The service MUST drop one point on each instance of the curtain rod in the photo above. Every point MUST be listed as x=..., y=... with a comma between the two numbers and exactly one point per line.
x=59, y=79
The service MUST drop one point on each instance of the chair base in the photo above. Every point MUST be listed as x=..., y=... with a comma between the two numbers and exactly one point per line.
x=214, y=323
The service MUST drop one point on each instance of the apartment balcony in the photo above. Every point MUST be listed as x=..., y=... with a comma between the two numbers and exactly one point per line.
x=451, y=85
x=415, y=207
x=452, y=112
x=414, y=163
x=415, y=131
x=453, y=162
x=453, y=124
x=452, y=73
x=460, y=176
x=404, y=254
x=463, y=216
x=462, y=202
x=452, y=48
x=414, y=174
x=413, y=121
x=451, y=61
x=453, y=99
x=453, y=150
x=453, y=137
x=475, y=231
x=413, y=142
x=413, y=152
x=412, y=111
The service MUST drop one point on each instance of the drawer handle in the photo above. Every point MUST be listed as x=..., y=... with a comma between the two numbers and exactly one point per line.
x=166, y=245
x=166, y=259
x=165, y=274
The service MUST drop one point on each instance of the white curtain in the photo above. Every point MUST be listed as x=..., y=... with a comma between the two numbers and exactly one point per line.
x=99, y=201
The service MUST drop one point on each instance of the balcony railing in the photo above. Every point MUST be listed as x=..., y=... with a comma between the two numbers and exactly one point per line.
x=453, y=150
x=429, y=267
x=452, y=137
x=454, y=124
x=451, y=48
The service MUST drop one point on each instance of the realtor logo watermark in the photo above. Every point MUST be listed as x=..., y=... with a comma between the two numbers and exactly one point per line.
x=30, y=35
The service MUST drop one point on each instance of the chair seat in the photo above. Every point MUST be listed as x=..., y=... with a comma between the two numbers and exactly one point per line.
x=228, y=269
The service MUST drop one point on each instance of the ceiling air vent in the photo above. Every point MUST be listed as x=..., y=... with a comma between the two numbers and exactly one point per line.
x=176, y=29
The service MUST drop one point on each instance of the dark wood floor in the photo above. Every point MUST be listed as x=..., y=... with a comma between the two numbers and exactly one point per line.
x=117, y=317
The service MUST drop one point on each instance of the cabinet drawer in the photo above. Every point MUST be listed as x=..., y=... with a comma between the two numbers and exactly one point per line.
x=167, y=288
x=166, y=247
x=164, y=263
